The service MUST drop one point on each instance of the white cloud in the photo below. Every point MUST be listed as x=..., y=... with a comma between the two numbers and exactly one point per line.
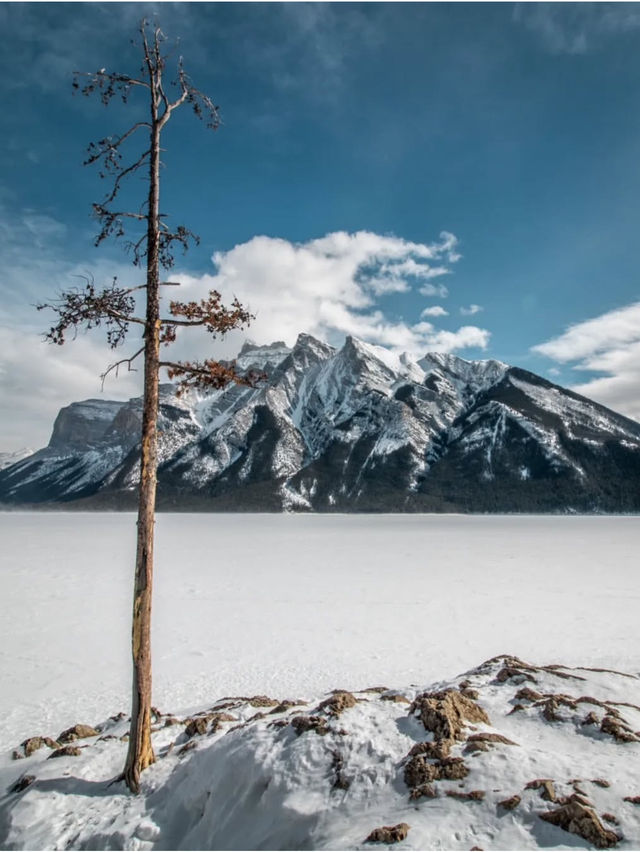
x=576, y=28
x=435, y=311
x=595, y=335
x=471, y=310
x=607, y=344
x=38, y=378
x=330, y=287
x=434, y=289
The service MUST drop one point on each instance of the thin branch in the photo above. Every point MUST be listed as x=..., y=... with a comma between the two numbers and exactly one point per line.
x=123, y=174
x=118, y=364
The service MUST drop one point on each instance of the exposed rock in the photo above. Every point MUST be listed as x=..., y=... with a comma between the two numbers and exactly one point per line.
x=66, y=751
x=375, y=689
x=435, y=750
x=551, y=705
x=255, y=717
x=475, y=747
x=635, y=800
x=471, y=796
x=389, y=833
x=340, y=781
x=511, y=803
x=32, y=744
x=77, y=732
x=600, y=782
x=263, y=701
x=187, y=747
x=339, y=701
x=445, y=713
x=396, y=697
x=22, y=783
x=196, y=726
x=518, y=674
x=286, y=705
x=576, y=818
x=610, y=818
x=590, y=719
x=515, y=709
x=124, y=738
x=617, y=729
x=51, y=743
x=217, y=719
x=418, y=770
x=17, y=755
x=527, y=694
x=170, y=720
x=470, y=693
x=424, y=791
x=489, y=737
x=118, y=717
x=546, y=785
x=302, y=724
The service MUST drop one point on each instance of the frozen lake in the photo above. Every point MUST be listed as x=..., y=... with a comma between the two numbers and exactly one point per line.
x=293, y=605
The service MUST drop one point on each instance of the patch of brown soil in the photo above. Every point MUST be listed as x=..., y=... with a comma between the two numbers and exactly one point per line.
x=389, y=833
x=576, y=818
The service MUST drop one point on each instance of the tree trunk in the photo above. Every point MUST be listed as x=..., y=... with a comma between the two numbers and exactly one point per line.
x=140, y=754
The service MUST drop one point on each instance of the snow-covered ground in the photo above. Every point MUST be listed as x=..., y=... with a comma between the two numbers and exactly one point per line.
x=295, y=605
x=292, y=606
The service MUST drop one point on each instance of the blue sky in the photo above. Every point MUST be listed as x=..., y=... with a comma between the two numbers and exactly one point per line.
x=358, y=141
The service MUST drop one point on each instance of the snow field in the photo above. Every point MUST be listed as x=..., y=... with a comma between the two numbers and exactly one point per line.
x=294, y=605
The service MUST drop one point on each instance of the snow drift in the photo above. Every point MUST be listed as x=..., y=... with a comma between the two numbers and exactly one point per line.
x=508, y=756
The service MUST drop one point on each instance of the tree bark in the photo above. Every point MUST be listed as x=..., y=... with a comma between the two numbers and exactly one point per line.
x=140, y=754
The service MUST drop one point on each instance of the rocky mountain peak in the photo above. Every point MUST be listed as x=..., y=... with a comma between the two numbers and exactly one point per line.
x=360, y=428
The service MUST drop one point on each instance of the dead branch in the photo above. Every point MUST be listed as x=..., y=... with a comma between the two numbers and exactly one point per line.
x=116, y=366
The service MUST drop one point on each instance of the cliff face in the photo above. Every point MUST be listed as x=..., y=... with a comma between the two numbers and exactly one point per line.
x=354, y=429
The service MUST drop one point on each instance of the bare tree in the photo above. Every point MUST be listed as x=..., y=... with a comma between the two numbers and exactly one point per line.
x=113, y=307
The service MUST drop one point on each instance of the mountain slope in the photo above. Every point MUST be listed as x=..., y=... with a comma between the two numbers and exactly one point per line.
x=354, y=429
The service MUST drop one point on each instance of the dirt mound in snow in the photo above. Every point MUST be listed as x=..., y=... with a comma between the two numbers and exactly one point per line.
x=456, y=764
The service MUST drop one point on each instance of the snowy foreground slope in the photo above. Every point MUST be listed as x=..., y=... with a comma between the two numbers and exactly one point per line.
x=359, y=429
x=508, y=756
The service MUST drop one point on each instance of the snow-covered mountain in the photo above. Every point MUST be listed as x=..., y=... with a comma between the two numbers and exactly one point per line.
x=354, y=429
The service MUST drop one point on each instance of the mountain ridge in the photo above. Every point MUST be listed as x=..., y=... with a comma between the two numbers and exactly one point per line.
x=358, y=428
